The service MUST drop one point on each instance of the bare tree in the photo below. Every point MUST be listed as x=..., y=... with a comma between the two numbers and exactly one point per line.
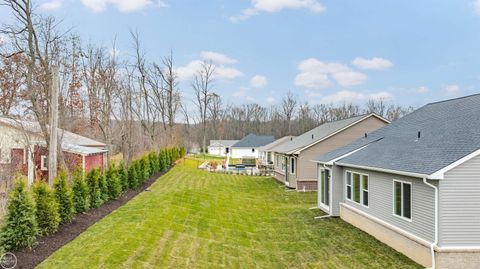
x=377, y=106
x=289, y=105
x=215, y=112
x=202, y=86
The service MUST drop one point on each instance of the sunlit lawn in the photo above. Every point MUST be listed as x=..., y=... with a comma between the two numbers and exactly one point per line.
x=195, y=219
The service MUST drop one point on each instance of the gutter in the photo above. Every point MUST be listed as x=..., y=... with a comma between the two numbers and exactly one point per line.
x=434, y=244
x=410, y=174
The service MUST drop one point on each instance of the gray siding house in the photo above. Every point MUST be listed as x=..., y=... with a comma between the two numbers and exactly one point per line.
x=413, y=184
x=293, y=165
x=267, y=156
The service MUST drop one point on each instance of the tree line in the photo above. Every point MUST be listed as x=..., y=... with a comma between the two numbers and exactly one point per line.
x=133, y=103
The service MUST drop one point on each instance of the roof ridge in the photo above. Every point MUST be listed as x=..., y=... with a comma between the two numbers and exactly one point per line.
x=453, y=99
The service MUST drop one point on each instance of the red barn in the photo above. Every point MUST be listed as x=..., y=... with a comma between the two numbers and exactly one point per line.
x=23, y=149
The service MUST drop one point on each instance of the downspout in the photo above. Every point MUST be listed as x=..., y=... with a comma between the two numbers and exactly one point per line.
x=434, y=244
x=329, y=197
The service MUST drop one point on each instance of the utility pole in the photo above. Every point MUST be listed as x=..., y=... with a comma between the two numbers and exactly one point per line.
x=52, y=151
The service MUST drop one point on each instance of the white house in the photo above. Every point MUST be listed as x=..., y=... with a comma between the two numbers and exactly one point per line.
x=249, y=146
x=220, y=147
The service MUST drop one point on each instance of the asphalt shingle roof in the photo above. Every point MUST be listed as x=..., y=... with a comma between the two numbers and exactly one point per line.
x=276, y=143
x=65, y=136
x=225, y=143
x=253, y=141
x=316, y=134
x=449, y=131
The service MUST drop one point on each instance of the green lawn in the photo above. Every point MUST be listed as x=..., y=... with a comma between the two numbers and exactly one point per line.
x=195, y=219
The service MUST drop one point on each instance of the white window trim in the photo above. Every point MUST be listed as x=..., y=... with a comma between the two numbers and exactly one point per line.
x=401, y=197
x=361, y=188
x=42, y=163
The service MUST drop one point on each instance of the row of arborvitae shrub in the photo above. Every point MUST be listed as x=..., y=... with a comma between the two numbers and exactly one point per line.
x=40, y=210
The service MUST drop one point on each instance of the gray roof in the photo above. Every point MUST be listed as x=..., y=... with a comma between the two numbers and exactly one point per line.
x=276, y=143
x=449, y=131
x=225, y=143
x=317, y=134
x=254, y=141
x=65, y=136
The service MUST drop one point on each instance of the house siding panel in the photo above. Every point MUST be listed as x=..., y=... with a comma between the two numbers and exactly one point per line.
x=337, y=190
x=381, y=203
x=308, y=169
x=459, y=207
x=244, y=152
x=93, y=161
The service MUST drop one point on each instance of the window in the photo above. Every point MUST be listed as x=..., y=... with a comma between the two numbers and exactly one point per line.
x=365, y=190
x=357, y=188
x=349, y=185
x=44, y=163
x=402, y=195
x=292, y=167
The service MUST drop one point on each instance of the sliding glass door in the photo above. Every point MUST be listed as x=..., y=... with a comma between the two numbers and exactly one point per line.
x=324, y=188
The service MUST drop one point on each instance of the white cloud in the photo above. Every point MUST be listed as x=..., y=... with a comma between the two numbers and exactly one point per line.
x=315, y=74
x=272, y=6
x=51, y=5
x=121, y=5
x=258, y=81
x=349, y=78
x=188, y=71
x=423, y=89
x=351, y=96
x=476, y=6
x=451, y=90
x=271, y=100
x=375, y=63
x=313, y=94
x=242, y=92
x=217, y=57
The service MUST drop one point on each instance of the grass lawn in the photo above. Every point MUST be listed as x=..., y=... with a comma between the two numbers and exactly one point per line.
x=207, y=157
x=195, y=219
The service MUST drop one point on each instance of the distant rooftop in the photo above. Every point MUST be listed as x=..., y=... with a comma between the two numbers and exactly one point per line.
x=253, y=141
x=66, y=136
x=318, y=133
x=224, y=143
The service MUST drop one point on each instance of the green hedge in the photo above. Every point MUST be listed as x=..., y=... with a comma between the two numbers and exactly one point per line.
x=20, y=226
x=41, y=213
x=47, y=210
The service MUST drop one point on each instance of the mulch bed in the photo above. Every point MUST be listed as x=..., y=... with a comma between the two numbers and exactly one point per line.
x=47, y=245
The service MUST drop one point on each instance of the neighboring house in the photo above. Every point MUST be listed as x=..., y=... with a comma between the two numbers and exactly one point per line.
x=414, y=184
x=23, y=149
x=220, y=147
x=293, y=165
x=248, y=146
x=266, y=153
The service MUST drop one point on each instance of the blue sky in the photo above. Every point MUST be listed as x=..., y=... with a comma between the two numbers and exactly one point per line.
x=409, y=52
